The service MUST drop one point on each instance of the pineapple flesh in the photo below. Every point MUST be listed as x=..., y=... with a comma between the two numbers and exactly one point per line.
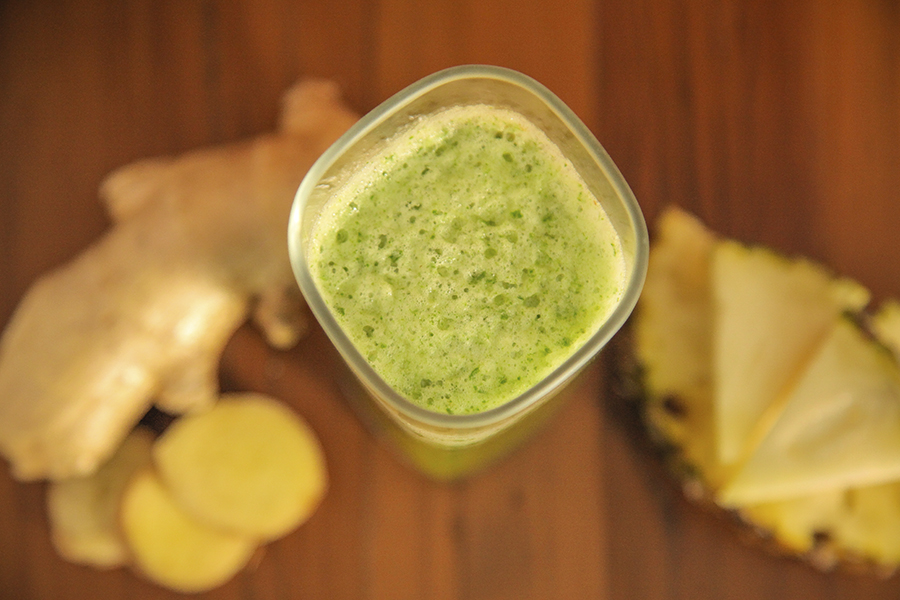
x=886, y=325
x=854, y=526
x=775, y=392
x=673, y=335
x=840, y=426
x=760, y=297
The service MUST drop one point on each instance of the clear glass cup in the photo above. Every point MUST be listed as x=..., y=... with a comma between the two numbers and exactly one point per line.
x=440, y=445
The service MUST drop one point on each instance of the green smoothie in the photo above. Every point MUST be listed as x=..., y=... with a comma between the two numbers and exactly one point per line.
x=467, y=259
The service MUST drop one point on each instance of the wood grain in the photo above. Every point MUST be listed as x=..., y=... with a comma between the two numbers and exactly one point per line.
x=777, y=122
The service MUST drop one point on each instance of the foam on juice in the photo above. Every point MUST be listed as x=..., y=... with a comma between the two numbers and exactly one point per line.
x=467, y=259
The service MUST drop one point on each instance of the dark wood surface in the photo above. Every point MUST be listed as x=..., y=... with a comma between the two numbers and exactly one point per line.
x=777, y=122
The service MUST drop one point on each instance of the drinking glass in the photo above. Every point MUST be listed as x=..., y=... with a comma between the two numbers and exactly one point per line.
x=440, y=445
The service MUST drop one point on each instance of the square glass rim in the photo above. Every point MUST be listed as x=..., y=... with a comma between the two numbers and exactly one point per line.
x=471, y=84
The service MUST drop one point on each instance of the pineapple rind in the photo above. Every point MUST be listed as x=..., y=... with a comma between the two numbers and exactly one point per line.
x=761, y=296
x=856, y=525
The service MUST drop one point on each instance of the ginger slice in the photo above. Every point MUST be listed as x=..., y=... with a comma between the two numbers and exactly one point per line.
x=249, y=464
x=171, y=548
x=198, y=244
x=83, y=512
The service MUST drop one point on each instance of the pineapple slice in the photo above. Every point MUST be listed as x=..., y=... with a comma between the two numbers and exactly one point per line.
x=872, y=529
x=818, y=469
x=674, y=328
x=770, y=315
x=886, y=325
x=838, y=512
x=857, y=525
x=801, y=524
x=850, y=525
x=840, y=427
x=673, y=335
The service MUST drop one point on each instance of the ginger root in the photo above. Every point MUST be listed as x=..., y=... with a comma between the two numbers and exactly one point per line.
x=143, y=314
x=190, y=508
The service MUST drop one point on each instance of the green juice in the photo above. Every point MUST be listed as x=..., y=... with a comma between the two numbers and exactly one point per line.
x=467, y=259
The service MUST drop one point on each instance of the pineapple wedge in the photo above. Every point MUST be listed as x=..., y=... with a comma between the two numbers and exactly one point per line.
x=673, y=335
x=886, y=325
x=872, y=529
x=840, y=427
x=770, y=315
x=674, y=329
x=849, y=526
x=802, y=525
x=829, y=510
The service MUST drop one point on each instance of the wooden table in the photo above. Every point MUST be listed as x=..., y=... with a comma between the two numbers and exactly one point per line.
x=777, y=122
